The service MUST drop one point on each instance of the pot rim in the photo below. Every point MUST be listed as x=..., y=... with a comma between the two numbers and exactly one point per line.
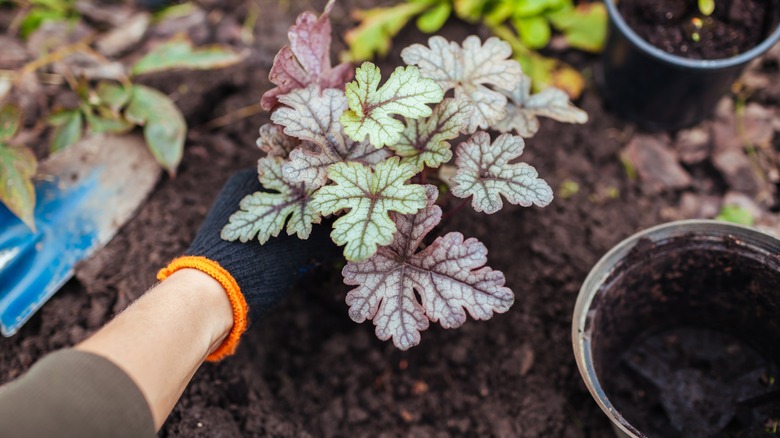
x=692, y=64
x=747, y=236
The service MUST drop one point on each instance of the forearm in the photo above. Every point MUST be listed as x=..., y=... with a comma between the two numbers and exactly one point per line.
x=173, y=326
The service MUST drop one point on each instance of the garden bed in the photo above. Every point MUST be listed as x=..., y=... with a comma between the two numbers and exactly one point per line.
x=307, y=369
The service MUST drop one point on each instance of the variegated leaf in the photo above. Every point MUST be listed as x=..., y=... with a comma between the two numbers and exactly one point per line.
x=306, y=61
x=524, y=109
x=274, y=142
x=450, y=277
x=424, y=142
x=485, y=172
x=477, y=72
x=312, y=115
x=369, y=195
x=371, y=108
x=263, y=214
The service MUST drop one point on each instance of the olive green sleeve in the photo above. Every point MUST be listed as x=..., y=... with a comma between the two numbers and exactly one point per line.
x=72, y=393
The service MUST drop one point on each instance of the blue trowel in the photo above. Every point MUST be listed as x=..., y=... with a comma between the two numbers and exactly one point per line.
x=84, y=194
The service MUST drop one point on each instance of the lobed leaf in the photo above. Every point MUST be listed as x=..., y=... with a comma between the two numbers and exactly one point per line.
x=424, y=142
x=471, y=71
x=306, y=61
x=523, y=112
x=178, y=53
x=450, y=277
x=371, y=108
x=164, y=126
x=369, y=196
x=17, y=167
x=312, y=115
x=263, y=214
x=485, y=172
x=274, y=143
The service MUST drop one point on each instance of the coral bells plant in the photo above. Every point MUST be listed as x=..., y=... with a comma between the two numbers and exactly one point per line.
x=363, y=149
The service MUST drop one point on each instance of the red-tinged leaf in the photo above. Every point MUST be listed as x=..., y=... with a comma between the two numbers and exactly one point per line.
x=306, y=61
x=274, y=142
x=450, y=277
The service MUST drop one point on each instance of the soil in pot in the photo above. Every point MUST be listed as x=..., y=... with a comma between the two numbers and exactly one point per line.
x=679, y=28
x=685, y=343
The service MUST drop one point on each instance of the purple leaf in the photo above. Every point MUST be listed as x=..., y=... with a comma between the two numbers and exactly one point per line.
x=450, y=277
x=306, y=61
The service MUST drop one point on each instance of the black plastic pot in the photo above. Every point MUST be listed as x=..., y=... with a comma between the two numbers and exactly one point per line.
x=661, y=91
x=705, y=282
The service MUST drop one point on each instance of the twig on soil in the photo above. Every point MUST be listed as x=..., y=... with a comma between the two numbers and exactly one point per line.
x=57, y=55
x=235, y=116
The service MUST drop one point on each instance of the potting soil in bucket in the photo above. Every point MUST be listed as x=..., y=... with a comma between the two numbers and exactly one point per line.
x=686, y=338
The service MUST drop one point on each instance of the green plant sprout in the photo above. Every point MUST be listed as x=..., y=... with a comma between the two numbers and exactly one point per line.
x=367, y=150
x=110, y=103
x=706, y=7
x=527, y=25
x=735, y=214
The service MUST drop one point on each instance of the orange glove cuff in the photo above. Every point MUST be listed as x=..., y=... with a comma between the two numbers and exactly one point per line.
x=237, y=302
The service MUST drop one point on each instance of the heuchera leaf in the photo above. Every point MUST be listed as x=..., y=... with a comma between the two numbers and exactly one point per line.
x=164, y=126
x=523, y=111
x=306, y=61
x=312, y=115
x=369, y=196
x=485, y=172
x=450, y=277
x=274, y=143
x=178, y=52
x=470, y=70
x=263, y=214
x=424, y=142
x=371, y=108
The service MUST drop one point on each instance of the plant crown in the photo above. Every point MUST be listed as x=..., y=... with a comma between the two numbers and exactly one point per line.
x=363, y=150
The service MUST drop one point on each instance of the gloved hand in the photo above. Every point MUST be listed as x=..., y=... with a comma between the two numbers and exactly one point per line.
x=255, y=276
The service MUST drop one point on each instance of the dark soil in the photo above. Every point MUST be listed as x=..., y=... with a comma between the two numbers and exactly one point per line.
x=684, y=338
x=678, y=27
x=307, y=369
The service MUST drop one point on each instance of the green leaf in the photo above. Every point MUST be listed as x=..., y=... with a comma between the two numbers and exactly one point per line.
x=10, y=119
x=735, y=214
x=583, y=27
x=377, y=28
x=114, y=96
x=369, y=196
x=707, y=7
x=178, y=52
x=432, y=20
x=424, y=142
x=470, y=10
x=164, y=126
x=68, y=128
x=534, y=31
x=36, y=17
x=371, y=108
x=109, y=124
x=263, y=214
x=17, y=167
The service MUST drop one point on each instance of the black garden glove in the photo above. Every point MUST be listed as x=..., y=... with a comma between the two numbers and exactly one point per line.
x=257, y=275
